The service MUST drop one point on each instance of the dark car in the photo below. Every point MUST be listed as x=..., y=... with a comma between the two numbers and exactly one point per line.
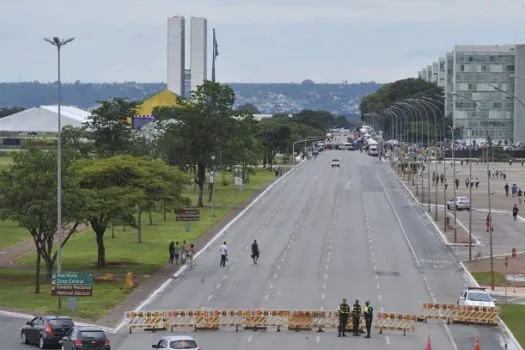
x=92, y=338
x=46, y=330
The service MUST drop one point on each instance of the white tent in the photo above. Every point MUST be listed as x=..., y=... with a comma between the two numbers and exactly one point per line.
x=371, y=142
x=43, y=119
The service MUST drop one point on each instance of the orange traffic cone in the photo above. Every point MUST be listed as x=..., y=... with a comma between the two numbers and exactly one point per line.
x=429, y=344
x=476, y=345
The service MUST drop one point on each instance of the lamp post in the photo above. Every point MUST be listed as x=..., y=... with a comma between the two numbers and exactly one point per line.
x=59, y=43
x=452, y=130
x=308, y=138
x=490, y=219
x=213, y=186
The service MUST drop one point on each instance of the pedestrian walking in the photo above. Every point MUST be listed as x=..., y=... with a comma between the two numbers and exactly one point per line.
x=507, y=189
x=344, y=312
x=369, y=314
x=183, y=252
x=515, y=212
x=224, y=254
x=171, y=252
x=255, y=251
x=177, y=252
x=356, y=317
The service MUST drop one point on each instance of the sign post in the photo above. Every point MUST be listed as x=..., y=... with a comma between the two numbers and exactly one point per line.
x=238, y=184
x=187, y=215
x=72, y=284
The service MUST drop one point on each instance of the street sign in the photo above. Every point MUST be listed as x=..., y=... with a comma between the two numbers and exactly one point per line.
x=72, y=284
x=188, y=214
x=514, y=252
x=238, y=181
x=72, y=290
x=70, y=278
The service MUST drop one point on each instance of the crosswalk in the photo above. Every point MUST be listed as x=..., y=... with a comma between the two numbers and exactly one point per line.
x=436, y=262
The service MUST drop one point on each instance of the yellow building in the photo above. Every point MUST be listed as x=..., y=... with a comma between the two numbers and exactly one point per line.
x=164, y=98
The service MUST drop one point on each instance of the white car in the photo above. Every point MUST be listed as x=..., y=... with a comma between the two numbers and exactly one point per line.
x=476, y=296
x=176, y=342
x=335, y=163
x=459, y=203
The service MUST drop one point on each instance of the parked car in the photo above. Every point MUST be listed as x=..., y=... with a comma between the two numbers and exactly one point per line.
x=458, y=203
x=92, y=338
x=335, y=163
x=176, y=342
x=476, y=296
x=46, y=330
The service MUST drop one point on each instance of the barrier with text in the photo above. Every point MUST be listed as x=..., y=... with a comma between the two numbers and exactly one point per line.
x=453, y=313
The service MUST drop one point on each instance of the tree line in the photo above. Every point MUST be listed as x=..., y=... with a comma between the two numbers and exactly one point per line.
x=112, y=175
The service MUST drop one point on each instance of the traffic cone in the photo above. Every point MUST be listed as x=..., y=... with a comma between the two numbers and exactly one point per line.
x=476, y=345
x=429, y=344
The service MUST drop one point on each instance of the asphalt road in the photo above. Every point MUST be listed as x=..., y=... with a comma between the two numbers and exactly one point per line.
x=324, y=234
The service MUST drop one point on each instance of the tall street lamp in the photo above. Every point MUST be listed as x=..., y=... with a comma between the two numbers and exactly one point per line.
x=452, y=130
x=59, y=43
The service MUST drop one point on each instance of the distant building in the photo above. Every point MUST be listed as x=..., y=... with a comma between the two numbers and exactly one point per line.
x=198, y=51
x=144, y=113
x=491, y=76
x=187, y=83
x=176, y=54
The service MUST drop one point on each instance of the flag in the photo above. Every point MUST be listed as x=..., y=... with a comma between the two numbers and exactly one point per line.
x=215, y=46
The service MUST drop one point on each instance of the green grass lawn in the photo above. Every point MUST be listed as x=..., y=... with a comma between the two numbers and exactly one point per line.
x=514, y=317
x=11, y=233
x=484, y=278
x=123, y=254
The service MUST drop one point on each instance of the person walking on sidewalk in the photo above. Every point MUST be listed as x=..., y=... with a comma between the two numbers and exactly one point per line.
x=224, y=254
x=507, y=189
x=172, y=252
x=515, y=212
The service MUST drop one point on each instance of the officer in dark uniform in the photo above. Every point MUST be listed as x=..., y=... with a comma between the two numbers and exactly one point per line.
x=356, y=316
x=368, y=311
x=344, y=313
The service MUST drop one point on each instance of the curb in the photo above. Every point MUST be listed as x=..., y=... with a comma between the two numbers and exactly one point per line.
x=473, y=281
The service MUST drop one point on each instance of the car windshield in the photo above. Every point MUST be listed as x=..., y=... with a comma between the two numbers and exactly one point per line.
x=61, y=323
x=463, y=199
x=475, y=296
x=92, y=335
x=183, y=344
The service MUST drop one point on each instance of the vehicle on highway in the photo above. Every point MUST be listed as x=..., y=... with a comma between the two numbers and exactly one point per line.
x=46, y=330
x=459, y=203
x=476, y=296
x=92, y=338
x=335, y=163
x=173, y=342
x=373, y=151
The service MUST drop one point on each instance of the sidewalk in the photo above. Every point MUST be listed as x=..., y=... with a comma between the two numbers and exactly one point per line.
x=9, y=255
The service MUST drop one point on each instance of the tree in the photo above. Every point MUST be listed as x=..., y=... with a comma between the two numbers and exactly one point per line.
x=404, y=89
x=275, y=135
x=28, y=197
x=322, y=120
x=77, y=142
x=244, y=148
x=108, y=126
x=249, y=108
x=200, y=127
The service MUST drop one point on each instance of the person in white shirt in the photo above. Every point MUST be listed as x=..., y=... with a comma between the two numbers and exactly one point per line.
x=224, y=254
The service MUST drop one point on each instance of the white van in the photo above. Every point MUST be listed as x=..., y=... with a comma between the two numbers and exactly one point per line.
x=372, y=151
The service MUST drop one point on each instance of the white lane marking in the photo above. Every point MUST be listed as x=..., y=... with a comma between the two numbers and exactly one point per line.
x=379, y=297
x=318, y=339
x=279, y=267
x=375, y=268
x=387, y=339
x=274, y=276
x=249, y=338
x=330, y=246
x=377, y=285
x=377, y=277
x=322, y=296
x=282, y=259
x=271, y=285
x=242, y=253
x=327, y=260
x=326, y=267
x=218, y=286
x=372, y=252
x=325, y=276
x=209, y=297
x=231, y=268
x=225, y=276
x=266, y=297
x=382, y=309
x=398, y=219
x=324, y=285
x=322, y=308
x=237, y=261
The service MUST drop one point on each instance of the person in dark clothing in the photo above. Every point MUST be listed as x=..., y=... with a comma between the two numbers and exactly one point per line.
x=356, y=316
x=172, y=252
x=515, y=211
x=506, y=190
x=255, y=251
x=344, y=312
x=368, y=311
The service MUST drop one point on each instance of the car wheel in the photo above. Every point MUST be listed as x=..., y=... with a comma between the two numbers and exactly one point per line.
x=41, y=343
x=457, y=208
x=23, y=338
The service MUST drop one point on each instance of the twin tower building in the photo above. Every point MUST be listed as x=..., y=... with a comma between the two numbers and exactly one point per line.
x=181, y=80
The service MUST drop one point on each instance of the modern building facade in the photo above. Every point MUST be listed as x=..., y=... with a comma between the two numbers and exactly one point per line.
x=485, y=90
x=176, y=54
x=198, y=51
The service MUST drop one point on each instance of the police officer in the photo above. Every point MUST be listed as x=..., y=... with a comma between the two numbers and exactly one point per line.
x=368, y=311
x=356, y=315
x=344, y=312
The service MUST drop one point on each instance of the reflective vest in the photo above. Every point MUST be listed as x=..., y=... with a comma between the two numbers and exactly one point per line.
x=344, y=309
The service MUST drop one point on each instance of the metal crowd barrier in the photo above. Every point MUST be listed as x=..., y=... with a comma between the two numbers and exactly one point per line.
x=453, y=313
x=292, y=320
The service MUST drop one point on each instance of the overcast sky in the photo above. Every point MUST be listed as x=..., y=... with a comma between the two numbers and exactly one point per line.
x=259, y=41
